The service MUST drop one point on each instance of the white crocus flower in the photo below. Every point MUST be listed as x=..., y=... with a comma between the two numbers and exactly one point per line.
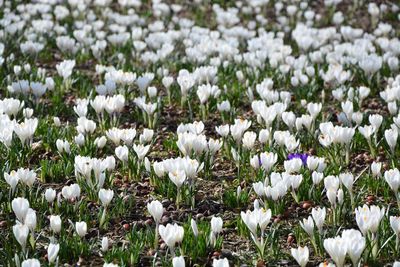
x=337, y=249
x=319, y=215
x=301, y=255
x=52, y=252
x=171, y=234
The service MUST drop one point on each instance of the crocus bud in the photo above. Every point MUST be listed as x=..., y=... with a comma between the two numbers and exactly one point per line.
x=104, y=244
x=147, y=164
x=391, y=136
x=395, y=224
x=158, y=168
x=255, y=162
x=152, y=91
x=122, y=153
x=27, y=68
x=264, y=136
x=30, y=263
x=17, y=70
x=20, y=207
x=106, y=196
x=340, y=196
x=21, y=233
x=50, y=195
x=216, y=224
x=178, y=261
x=12, y=180
x=100, y=142
x=376, y=168
x=156, y=210
x=308, y=225
x=301, y=255
x=30, y=219
x=56, y=121
x=27, y=112
x=392, y=107
x=392, y=177
x=55, y=223
x=238, y=191
x=319, y=215
x=375, y=120
x=337, y=249
x=52, y=252
x=195, y=230
x=347, y=180
x=79, y=139
x=317, y=177
x=81, y=228
x=221, y=262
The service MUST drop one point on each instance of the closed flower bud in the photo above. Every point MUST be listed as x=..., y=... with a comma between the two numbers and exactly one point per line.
x=52, y=252
x=220, y=262
x=106, y=196
x=21, y=233
x=55, y=223
x=50, y=195
x=20, y=206
x=178, y=261
x=122, y=153
x=301, y=255
x=308, y=226
x=392, y=177
x=100, y=142
x=104, y=244
x=216, y=225
x=193, y=225
x=30, y=263
x=376, y=168
x=264, y=136
x=340, y=196
x=249, y=139
x=81, y=228
x=156, y=209
x=79, y=140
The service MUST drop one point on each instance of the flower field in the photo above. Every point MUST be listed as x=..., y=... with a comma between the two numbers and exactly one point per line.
x=199, y=133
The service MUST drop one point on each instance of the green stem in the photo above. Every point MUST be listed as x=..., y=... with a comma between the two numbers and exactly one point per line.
x=371, y=148
x=178, y=197
x=103, y=218
x=203, y=112
x=374, y=245
x=156, y=237
x=169, y=96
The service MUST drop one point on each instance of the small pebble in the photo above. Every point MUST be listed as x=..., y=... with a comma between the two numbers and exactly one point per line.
x=306, y=205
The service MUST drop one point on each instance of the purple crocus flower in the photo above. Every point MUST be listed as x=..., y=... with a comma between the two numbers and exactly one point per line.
x=302, y=156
